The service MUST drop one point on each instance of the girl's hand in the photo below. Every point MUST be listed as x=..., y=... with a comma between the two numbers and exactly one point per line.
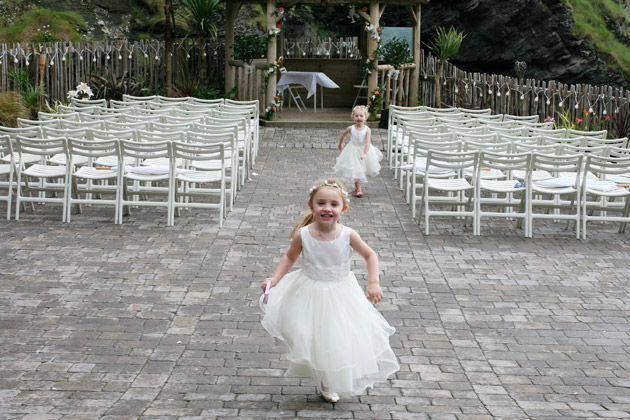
x=363, y=156
x=340, y=147
x=273, y=280
x=374, y=293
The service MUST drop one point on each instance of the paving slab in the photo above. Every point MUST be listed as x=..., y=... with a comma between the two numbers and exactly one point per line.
x=142, y=320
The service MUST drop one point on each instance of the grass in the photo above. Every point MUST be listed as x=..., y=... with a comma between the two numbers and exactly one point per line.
x=12, y=107
x=59, y=26
x=590, y=25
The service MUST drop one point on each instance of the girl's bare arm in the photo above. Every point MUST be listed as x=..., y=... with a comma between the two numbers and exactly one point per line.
x=343, y=136
x=286, y=262
x=368, y=141
x=374, y=292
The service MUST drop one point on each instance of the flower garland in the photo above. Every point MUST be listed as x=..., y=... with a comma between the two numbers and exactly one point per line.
x=370, y=63
x=273, y=67
x=374, y=101
x=271, y=110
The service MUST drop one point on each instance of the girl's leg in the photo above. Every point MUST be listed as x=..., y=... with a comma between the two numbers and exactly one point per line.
x=357, y=186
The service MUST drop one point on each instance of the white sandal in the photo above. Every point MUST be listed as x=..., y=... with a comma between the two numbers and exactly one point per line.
x=331, y=397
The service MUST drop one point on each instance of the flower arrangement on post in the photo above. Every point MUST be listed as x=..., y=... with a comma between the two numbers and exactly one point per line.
x=83, y=91
x=374, y=102
x=273, y=67
x=273, y=107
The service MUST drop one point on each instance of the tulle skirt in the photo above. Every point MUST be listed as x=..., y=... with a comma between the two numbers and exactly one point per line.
x=331, y=332
x=351, y=168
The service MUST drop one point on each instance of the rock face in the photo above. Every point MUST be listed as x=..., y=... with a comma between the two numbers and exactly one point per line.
x=501, y=32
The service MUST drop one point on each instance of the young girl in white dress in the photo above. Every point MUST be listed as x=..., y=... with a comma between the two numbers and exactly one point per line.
x=331, y=331
x=359, y=158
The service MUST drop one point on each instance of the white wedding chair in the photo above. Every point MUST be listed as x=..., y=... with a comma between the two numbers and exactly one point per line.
x=132, y=98
x=252, y=107
x=7, y=170
x=41, y=116
x=610, y=191
x=83, y=124
x=524, y=118
x=196, y=188
x=24, y=123
x=88, y=103
x=418, y=167
x=602, y=134
x=32, y=132
x=88, y=118
x=198, y=101
x=126, y=105
x=362, y=91
x=169, y=100
x=293, y=95
x=243, y=140
x=472, y=112
x=559, y=195
x=52, y=179
x=107, y=161
x=150, y=136
x=77, y=133
x=410, y=135
x=554, y=132
x=93, y=184
x=67, y=109
x=228, y=137
x=120, y=125
x=452, y=195
x=500, y=193
x=140, y=186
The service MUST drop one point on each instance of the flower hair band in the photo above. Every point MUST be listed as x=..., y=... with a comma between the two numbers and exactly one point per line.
x=325, y=183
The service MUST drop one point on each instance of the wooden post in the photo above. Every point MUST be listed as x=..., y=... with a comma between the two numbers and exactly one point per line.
x=375, y=13
x=414, y=82
x=271, y=53
x=42, y=68
x=232, y=8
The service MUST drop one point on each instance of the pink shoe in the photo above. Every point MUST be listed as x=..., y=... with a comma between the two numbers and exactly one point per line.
x=359, y=193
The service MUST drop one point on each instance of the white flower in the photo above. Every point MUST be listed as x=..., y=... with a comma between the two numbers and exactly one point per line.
x=71, y=94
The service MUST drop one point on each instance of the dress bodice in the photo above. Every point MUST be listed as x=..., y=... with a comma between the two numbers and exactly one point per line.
x=358, y=136
x=326, y=260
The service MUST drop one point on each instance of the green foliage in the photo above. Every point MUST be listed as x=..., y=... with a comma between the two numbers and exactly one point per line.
x=200, y=16
x=45, y=25
x=111, y=85
x=396, y=52
x=590, y=24
x=12, y=107
x=30, y=92
x=621, y=122
x=446, y=44
x=250, y=47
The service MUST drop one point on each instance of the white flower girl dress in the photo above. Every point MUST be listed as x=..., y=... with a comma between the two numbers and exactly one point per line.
x=331, y=331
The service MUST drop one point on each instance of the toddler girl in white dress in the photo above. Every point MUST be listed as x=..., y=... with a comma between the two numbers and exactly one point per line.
x=359, y=158
x=331, y=331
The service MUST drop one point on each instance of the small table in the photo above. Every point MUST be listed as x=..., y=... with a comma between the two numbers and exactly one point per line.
x=310, y=80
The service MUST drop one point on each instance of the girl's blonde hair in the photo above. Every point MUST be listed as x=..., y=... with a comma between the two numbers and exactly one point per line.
x=362, y=108
x=307, y=217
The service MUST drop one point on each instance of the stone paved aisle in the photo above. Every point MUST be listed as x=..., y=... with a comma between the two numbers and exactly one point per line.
x=155, y=322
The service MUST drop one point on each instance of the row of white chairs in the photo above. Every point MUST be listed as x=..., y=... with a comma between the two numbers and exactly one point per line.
x=149, y=132
x=402, y=155
x=477, y=185
x=120, y=173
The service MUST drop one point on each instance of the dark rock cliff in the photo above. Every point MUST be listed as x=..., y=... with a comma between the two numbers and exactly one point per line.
x=501, y=32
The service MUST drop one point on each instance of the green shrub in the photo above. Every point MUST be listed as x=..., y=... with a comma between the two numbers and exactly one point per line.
x=396, y=52
x=249, y=47
x=12, y=107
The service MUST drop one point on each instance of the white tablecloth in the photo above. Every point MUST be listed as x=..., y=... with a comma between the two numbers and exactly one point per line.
x=308, y=79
